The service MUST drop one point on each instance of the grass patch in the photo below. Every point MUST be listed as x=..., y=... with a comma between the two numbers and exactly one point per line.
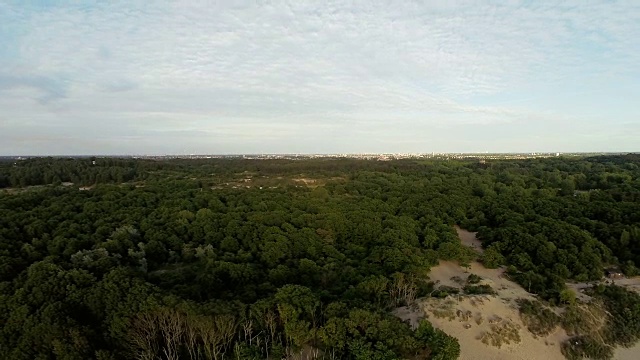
x=445, y=310
x=502, y=332
x=538, y=319
x=478, y=318
x=585, y=319
x=464, y=316
x=586, y=347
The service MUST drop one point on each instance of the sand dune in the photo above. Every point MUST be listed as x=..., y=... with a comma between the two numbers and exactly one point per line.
x=490, y=327
x=474, y=318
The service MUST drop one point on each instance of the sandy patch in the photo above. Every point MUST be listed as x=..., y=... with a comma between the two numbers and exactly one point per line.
x=632, y=353
x=469, y=239
x=411, y=315
x=446, y=272
x=305, y=181
x=487, y=327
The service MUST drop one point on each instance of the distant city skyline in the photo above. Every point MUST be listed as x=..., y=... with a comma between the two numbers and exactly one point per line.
x=188, y=77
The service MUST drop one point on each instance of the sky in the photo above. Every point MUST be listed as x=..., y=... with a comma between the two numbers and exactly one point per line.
x=232, y=77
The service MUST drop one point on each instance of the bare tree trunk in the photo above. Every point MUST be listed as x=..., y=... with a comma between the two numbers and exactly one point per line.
x=217, y=334
x=143, y=335
x=210, y=338
x=192, y=334
x=172, y=327
x=226, y=325
x=270, y=319
x=247, y=327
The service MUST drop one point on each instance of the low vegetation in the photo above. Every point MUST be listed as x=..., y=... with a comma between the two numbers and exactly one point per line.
x=473, y=279
x=586, y=347
x=443, y=291
x=610, y=319
x=478, y=290
x=502, y=333
x=538, y=319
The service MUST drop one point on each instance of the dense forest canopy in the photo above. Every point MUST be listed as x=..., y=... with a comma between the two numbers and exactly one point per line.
x=106, y=258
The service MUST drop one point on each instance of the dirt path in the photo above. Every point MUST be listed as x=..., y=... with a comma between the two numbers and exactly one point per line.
x=632, y=284
x=469, y=239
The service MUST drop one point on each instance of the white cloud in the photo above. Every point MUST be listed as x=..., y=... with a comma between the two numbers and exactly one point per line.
x=280, y=72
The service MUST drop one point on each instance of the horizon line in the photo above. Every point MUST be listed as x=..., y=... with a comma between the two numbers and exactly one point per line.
x=337, y=154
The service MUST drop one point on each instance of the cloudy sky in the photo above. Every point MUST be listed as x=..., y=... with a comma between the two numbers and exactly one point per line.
x=220, y=77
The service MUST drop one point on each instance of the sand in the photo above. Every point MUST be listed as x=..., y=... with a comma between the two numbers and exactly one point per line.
x=473, y=318
x=469, y=318
x=632, y=353
x=469, y=239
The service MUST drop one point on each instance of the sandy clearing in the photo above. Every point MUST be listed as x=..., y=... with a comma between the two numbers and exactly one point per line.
x=469, y=318
x=411, y=315
x=632, y=353
x=469, y=239
x=578, y=289
x=478, y=317
x=472, y=318
x=496, y=278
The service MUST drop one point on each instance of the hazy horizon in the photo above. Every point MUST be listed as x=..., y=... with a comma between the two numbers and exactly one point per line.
x=331, y=155
x=164, y=78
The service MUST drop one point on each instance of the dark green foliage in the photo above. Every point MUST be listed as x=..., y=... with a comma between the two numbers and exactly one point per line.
x=624, y=309
x=443, y=291
x=445, y=347
x=82, y=271
x=478, y=290
x=473, y=279
x=243, y=243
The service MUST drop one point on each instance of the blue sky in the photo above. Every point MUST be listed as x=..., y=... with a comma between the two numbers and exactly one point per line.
x=161, y=77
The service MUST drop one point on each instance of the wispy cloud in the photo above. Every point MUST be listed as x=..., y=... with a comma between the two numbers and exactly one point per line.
x=44, y=89
x=374, y=76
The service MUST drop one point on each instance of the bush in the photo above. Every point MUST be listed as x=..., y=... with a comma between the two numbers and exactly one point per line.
x=581, y=347
x=624, y=308
x=473, y=279
x=444, y=291
x=539, y=320
x=478, y=290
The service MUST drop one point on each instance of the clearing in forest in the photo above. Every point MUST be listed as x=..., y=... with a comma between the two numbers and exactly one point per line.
x=487, y=326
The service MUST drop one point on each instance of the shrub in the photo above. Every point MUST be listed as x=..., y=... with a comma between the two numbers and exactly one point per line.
x=444, y=291
x=478, y=290
x=581, y=347
x=539, y=320
x=473, y=279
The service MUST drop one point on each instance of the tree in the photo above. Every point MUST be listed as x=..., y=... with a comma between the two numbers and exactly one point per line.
x=491, y=258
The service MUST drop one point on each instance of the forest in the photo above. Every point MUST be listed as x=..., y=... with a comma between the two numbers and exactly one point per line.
x=107, y=258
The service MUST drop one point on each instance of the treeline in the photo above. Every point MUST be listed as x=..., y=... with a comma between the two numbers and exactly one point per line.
x=101, y=170
x=85, y=171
